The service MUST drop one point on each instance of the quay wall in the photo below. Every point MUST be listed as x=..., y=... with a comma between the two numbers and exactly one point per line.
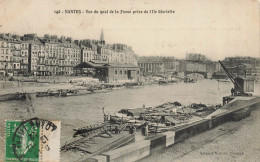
x=15, y=84
x=12, y=96
x=190, y=130
x=140, y=149
x=17, y=96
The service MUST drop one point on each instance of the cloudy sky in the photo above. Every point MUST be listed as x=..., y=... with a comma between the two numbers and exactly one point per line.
x=215, y=28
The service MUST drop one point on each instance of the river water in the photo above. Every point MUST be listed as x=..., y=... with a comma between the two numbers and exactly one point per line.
x=88, y=108
x=78, y=111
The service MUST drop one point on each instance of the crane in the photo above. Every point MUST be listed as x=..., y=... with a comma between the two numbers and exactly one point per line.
x=238, y=82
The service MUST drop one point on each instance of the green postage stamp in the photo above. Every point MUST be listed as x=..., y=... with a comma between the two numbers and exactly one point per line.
x=32, y=140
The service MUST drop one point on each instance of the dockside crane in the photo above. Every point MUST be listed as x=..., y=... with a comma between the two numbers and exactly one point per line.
x=240, y=85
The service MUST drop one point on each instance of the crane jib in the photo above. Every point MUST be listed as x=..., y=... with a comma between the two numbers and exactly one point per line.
x=231, y=77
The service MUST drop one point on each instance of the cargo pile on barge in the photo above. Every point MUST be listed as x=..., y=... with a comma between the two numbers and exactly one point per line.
x=163, y=117
x=120, y=129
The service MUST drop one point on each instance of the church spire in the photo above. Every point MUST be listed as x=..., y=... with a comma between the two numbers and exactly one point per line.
x=102, y=36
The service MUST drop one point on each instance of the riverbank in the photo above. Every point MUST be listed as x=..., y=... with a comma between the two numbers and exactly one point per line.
x=30, y=87
x=42, y=84
x=59, y=89
x=17, y=90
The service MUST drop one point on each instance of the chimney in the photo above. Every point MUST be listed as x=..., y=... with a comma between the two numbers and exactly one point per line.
x=76, y=42
x=8, y=34
x=69, y=39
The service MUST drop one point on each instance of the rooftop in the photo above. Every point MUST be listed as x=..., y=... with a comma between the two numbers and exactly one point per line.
x=103, y=64
x=153, y=58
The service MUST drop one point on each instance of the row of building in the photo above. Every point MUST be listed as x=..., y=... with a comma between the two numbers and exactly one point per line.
x=198, y=63
x=244, y=67
x=50, y=55
x=156, y=65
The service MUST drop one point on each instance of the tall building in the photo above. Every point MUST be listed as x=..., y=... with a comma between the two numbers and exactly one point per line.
x=155, y=64
x=9, y=56
x=72, y=55
x=50, y=55
x=49, y=63
x=87, y=54
x=36, y=51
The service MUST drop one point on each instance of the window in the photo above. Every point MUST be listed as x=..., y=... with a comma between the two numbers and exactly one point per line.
x=125, y=72
x=116, y=72
x=137, y=71
x=120, y=72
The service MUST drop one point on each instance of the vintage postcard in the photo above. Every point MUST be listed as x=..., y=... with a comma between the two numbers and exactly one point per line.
x=133, y=80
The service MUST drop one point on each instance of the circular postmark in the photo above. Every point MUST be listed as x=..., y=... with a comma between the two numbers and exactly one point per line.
x=29, y=140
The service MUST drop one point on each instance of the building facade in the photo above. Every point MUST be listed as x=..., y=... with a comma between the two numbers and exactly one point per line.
x=244, y=67
x=154, y=65
x=50, y=55
x=111, y=72
x=13, y=55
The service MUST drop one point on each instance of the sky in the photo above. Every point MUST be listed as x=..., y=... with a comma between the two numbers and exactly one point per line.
x=215, y=28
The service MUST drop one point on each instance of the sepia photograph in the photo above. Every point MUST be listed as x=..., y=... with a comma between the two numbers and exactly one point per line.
x=132, y=80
